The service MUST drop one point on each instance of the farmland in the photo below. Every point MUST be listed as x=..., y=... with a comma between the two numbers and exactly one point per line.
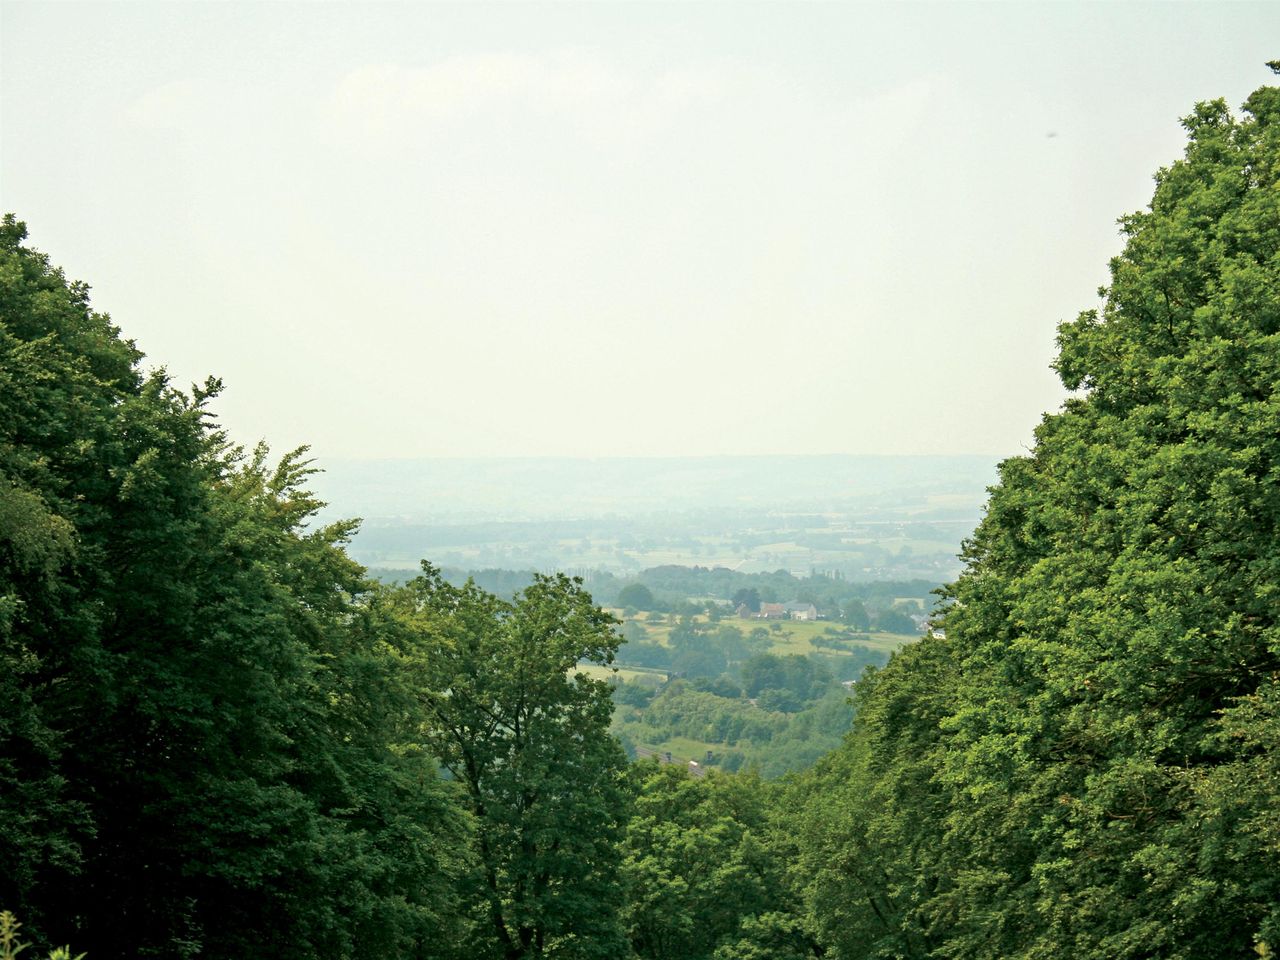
x=785, y=636
x=736, y=693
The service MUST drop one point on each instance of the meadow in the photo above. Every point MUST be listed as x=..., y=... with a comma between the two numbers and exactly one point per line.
x=785, y=636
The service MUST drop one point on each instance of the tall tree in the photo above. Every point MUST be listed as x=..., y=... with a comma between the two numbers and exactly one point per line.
x=197, y=724
x=527, y=735
x=701, y=875
x=1098, y=736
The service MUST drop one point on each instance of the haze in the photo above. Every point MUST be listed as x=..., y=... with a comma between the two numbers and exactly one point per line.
x=605, y=230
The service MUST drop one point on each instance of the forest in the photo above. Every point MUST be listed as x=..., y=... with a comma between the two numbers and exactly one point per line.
x=221, y=737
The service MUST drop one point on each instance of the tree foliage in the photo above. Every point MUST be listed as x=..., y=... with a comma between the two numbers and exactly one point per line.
x=197, y=724
x=527, y=736
x=1085, y=765
x=702, y=875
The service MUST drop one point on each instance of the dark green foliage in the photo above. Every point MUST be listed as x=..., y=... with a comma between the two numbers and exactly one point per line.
x=721, y=686
x=527, y=738
x=1085, y=765
x=634, y=693
x=681, y=710
x=673, y=584
x=196, y=719
x=638, y=597
x=696, y=649
x=644, y=653
x=743, y=734
x=792, y=680
x=854, y=613
x=891, y=621
x=702, y=875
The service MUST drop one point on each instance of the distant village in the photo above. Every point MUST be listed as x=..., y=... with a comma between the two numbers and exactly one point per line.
x=797, y=610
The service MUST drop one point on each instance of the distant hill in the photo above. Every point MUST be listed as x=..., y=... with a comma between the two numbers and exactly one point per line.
x=867, y=517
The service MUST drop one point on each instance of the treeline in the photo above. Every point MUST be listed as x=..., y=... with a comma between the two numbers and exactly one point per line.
x=219, y=738
x=721, y=690
x=710, y=649
x=205, y=736
x=687, y=590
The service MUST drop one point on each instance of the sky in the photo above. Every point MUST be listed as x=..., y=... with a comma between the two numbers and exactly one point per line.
x=607, y=229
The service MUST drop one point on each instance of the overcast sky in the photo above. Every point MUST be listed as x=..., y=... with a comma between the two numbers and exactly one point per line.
x=605, y=229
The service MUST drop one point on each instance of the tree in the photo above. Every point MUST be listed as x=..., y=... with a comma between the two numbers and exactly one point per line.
x=527, y=736
x=1128, y=558
x=894, y=621
x=636, y=596
x=196, y=728
x=1084, y=764
x=855, y=614
x=700, y=872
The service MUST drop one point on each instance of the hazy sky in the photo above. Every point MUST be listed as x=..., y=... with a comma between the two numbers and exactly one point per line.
x=605, y=229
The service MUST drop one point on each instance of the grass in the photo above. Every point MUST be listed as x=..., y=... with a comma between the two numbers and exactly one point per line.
x=685, y=748
x=598, y=672
x=793, y=636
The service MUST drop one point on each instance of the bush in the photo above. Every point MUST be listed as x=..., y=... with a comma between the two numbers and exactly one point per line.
x=11, y=946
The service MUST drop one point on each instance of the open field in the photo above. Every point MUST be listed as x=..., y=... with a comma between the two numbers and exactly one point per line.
x=685, y=748
x=622, y=673
x=786, y=636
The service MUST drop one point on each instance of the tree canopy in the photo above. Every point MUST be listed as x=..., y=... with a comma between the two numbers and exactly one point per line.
x=1083, y=764
x=196, y=740
x=527, y=736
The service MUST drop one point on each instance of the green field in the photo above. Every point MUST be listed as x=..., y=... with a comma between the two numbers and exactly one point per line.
x=622, y=673
x=790, y=636
x=685, y=748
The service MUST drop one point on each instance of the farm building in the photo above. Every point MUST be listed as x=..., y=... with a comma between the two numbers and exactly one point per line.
x=802, y=611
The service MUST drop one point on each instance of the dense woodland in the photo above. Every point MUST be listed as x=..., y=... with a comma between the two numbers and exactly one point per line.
x=220, y=738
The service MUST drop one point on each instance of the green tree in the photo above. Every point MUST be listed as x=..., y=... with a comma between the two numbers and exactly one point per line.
x=11, y=946
x=195, y=731
x=1085, y=764
x=699, y=869
x=526, y=735
x=749, y=596
x=855, y=614
x=894, y=621
x=637, y=596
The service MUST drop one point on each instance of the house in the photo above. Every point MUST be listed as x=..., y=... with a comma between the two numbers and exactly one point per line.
x=772, y=611
x=802, y=611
